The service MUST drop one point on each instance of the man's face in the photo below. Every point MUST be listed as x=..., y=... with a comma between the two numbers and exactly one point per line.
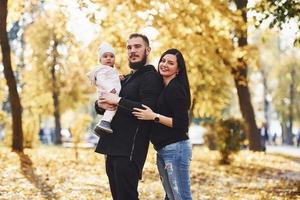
x=137, y=49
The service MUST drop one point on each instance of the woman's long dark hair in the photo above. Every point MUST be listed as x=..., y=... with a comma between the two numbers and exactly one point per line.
x=182, y=74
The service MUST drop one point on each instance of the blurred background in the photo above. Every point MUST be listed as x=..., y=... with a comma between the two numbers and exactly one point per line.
x=242, y=58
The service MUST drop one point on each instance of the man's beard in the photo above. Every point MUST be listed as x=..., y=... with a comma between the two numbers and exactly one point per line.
x=139, y=64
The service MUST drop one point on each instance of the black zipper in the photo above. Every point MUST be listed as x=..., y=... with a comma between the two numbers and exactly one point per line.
x=136, y=131
x=133, y=144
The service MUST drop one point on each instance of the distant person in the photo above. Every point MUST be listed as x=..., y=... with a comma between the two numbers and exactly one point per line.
x=49, y=135
x=169, y=135
x=274, y=138
x=1, y=134
x=298, y=138
x=42, y=136
x=262, y=138
x=106, y=78
x=266, y=133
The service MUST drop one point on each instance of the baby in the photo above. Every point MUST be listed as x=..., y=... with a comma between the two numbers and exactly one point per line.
x=106, y=79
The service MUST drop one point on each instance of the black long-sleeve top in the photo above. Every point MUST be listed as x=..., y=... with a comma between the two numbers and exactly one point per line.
x=172, y=102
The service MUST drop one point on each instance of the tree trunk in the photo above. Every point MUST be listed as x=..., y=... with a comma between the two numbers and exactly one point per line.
x=266, y=100
x=17, y=138
x=241, y=83
x=291, y=109
x=55, y=95
x=284, y=130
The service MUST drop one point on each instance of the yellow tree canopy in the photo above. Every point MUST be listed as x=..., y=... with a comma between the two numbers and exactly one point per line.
x=48, y=28
x=202, y=30
x=287, y=73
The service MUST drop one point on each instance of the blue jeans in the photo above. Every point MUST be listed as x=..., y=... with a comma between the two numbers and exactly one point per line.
x=173, y=162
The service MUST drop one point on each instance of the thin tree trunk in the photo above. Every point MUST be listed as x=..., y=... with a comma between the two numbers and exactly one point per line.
x=17, y=138
x=55, y=96
x=241, y=83
x=284, y=130
x=266, y=100
x=291, y=109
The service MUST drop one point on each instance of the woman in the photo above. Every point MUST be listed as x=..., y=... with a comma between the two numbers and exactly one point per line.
x=169, y=135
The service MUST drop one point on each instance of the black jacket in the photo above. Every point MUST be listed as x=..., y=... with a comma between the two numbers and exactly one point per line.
x=131, y=136
x=172, y=102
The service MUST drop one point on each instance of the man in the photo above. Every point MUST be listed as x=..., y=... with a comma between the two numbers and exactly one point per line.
x=126, y=148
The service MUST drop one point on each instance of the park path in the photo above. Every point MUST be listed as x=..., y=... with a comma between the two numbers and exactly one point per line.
x=284, y=149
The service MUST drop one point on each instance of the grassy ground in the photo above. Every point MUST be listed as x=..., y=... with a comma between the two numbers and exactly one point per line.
x=54, y=173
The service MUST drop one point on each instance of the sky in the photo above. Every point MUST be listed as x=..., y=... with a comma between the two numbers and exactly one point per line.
x=79, y=22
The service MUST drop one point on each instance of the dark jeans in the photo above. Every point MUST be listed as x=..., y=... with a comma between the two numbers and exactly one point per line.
x=123, y=177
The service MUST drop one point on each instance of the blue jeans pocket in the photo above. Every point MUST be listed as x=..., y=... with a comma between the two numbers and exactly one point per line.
x=170, y=147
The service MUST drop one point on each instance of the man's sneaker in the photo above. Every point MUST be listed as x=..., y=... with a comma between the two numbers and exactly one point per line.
x=103, y=126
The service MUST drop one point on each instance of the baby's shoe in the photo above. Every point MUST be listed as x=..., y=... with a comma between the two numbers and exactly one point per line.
x=103, y=126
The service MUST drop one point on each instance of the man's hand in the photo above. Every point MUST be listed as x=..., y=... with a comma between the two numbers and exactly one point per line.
x=106, y=106
x=109, y=98
x=122, y=77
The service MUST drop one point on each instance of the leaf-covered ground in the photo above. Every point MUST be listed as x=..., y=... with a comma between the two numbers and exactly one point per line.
x=53, y=173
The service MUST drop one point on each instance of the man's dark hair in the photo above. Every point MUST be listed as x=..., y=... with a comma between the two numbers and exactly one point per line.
x=144, y=37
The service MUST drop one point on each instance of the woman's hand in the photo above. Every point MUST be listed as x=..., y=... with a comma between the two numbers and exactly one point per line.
x=144, y=114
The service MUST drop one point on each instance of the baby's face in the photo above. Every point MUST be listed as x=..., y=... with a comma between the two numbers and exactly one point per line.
x=107, y=59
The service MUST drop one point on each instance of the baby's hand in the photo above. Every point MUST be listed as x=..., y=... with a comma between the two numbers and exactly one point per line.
x=113, y=91
x=122, y=77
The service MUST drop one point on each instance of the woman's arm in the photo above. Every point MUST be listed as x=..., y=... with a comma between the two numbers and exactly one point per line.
x=176, y=99
x=177, y=102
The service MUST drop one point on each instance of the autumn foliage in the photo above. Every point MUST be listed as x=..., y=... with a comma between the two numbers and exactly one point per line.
x=54, y=173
